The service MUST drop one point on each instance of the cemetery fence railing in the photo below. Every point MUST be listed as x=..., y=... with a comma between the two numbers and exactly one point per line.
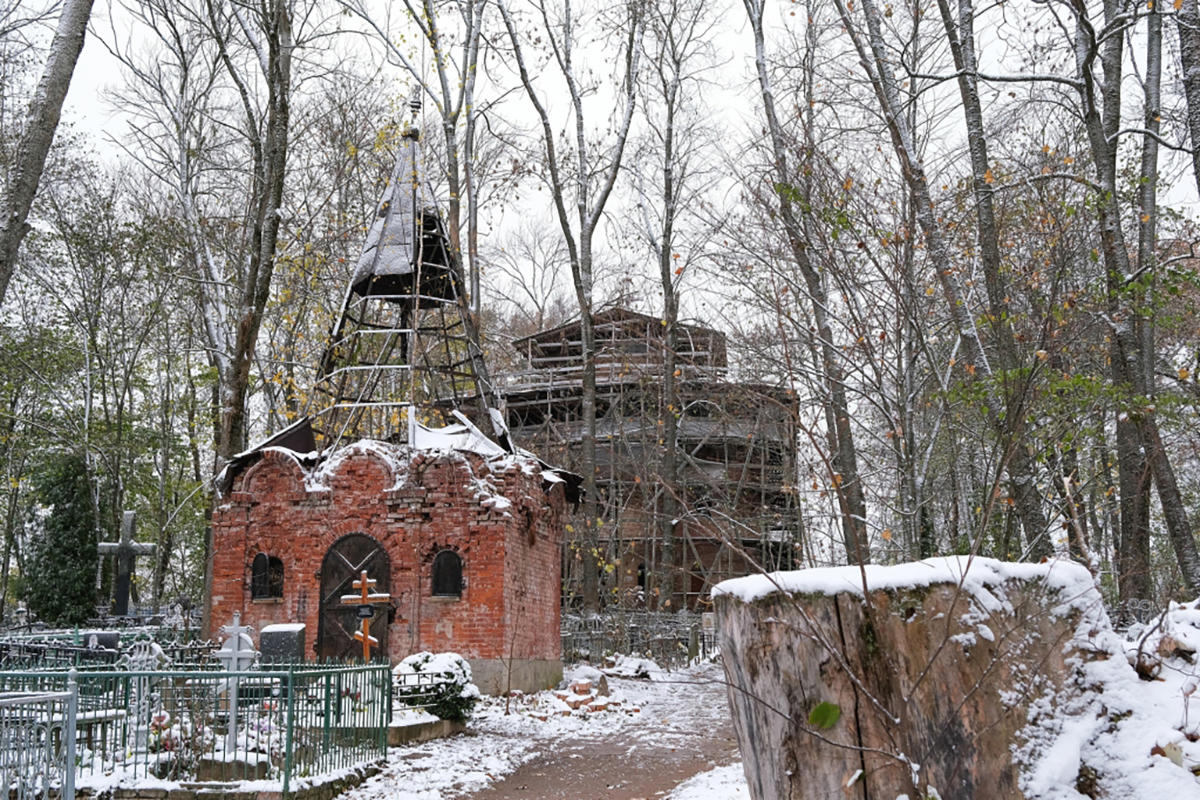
x=671, y=639
x=37, y=742
x=283, y=723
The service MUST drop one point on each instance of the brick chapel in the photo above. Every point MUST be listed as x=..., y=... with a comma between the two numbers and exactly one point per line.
x=461, y=530
x=467, y=545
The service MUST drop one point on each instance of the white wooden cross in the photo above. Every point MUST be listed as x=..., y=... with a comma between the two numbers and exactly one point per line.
x=236, y=655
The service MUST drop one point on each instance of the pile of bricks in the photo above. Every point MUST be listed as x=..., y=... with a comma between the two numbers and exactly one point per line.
x=580, y=694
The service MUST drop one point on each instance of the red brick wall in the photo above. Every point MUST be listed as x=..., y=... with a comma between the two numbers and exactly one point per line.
x=511, y=565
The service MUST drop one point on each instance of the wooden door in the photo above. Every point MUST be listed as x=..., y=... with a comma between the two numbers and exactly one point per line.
x=346, y=559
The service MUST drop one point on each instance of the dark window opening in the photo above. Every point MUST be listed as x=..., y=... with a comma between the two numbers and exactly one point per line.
x=266, y=577
x=447, y=574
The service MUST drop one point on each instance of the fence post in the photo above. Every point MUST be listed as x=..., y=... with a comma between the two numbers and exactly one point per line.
x=327, y=719
x=68, y=748
x=291, y=724
x=386, y=711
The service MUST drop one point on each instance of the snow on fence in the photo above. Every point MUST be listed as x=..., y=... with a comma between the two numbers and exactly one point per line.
x=62, y=650
x=670, y=639
x=288, y=722
x=37, y=736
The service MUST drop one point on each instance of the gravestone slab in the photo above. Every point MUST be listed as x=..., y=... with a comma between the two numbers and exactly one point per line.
x=282, y=643
x=101, y=640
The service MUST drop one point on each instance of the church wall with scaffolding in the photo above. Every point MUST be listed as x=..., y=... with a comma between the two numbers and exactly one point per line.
x=735, y=482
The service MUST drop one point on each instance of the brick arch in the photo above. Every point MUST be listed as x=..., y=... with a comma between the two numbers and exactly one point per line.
x=276, y=473
x=364, y=471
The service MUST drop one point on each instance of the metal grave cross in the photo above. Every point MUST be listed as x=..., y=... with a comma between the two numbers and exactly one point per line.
x=365, y=600
x=142, y=659
x=236, y=655
x=126, y=550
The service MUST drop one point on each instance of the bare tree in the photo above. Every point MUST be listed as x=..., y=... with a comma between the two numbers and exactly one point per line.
x=583, y=176
x=960, y=32
x=677, y=56
x=1099, y=48
x=1188, y=21
x=44, y=111
x=847, y=483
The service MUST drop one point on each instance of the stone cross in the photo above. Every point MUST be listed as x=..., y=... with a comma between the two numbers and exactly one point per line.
x=365, y=601
x=236, y=655
x=126, y=550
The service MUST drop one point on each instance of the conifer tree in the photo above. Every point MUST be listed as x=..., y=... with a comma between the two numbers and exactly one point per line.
x=59, y=583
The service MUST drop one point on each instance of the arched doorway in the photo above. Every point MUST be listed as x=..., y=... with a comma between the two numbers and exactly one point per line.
x=346, y=559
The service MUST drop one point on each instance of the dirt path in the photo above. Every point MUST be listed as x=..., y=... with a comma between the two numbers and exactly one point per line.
x=664, y=731
x=601, y=768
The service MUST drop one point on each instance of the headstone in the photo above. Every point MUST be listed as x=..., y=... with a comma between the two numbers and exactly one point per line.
x=282, y=643
x=126, y=551
x=174, y=618
x=237, y=654
x=101, y=640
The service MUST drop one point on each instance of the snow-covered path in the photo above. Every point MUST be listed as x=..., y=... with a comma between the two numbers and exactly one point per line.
x=679, y=734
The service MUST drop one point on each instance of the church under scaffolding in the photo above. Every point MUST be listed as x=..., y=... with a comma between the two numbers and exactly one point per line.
x=734, y=491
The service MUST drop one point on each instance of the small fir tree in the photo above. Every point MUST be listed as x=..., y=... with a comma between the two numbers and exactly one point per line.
x=60, y=571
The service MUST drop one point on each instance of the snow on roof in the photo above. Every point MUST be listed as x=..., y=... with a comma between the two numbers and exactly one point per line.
x=396, y=457
x=972, y=573
x=463, y=437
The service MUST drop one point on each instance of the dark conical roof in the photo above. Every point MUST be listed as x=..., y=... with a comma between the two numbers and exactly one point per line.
x=406, y=237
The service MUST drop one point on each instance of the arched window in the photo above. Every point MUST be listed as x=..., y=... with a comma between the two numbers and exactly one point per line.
x=447, y=574
x=266, y=577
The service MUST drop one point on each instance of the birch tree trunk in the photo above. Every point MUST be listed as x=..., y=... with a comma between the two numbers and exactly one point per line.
x=42, y=122
x=676, y=31
x=1188, y=20
x=1134, y=475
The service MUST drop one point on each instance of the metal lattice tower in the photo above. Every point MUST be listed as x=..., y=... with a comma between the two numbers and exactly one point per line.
x=404, y=349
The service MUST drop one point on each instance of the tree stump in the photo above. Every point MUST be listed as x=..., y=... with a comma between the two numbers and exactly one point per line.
x=925, y=684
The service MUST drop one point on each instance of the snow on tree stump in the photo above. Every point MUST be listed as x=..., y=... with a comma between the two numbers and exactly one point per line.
x=926, y=685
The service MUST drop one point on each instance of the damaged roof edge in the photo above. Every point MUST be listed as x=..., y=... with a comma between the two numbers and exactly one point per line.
x=298, y=437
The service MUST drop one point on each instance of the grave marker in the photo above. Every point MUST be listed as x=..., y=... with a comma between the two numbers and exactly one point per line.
x=366, y=601
x=143, y=657
x=282, y=643
x=126, y=551
x=236, y=655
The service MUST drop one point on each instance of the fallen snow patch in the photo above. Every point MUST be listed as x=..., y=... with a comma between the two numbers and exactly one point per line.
x=1116, y=734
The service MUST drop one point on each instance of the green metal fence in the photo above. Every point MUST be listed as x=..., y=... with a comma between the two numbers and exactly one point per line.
x=278, y=724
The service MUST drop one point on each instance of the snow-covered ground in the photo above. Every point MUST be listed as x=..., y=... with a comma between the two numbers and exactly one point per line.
x=720, y=783
x=1128, y=737
x=663, y=711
